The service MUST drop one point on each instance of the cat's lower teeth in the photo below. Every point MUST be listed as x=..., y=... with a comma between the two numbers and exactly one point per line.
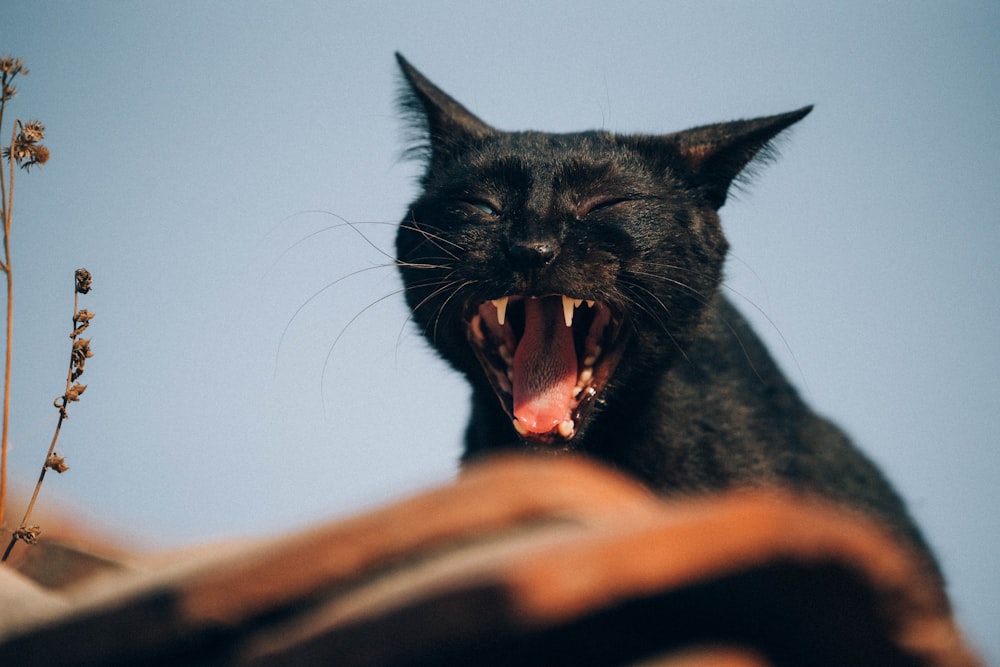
x=475, y=325
x=505, y=354
x=566, y=428
x=498, y=329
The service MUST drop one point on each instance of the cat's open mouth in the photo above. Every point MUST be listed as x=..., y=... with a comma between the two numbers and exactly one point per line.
x=547, y=358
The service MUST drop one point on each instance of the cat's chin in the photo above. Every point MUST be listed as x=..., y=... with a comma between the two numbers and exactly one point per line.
x=548, y=360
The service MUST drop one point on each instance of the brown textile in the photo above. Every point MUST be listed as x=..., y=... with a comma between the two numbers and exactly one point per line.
x=521, y=561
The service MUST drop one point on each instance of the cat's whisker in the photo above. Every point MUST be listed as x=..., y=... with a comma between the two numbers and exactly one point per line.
x=696, y=273
x=412, y=311
x=344, y=222
x=428, y=263
x=340, y=334
x=309, y=211
x=449, y=256
x=421, y=265
x=444, y=304
x=725, y=321
x=702, y=298
x=416, y=226
x=394, y=263
x=640, y=303
x=444, y=283
x=737, y=293
x=435, y=240
x=315, y=295
x=441, y=284
x=774, y=327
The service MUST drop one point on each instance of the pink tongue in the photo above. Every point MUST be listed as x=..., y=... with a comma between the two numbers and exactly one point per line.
x=544, y=367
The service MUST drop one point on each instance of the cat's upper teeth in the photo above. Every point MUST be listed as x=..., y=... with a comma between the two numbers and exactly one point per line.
x=567, y=310
x=569, y=305
x=501, y=306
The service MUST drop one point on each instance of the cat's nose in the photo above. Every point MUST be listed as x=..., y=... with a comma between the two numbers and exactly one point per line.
x=534, y=255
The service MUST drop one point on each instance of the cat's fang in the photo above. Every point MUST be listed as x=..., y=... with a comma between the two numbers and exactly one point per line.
x=501, y=306
x=567, y=304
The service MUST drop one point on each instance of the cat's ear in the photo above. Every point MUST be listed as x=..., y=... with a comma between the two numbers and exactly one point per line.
x=716, y=155
x=442, y=127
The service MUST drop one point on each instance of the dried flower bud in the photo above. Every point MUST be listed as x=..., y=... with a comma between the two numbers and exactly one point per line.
x=74, y=392
x=78, y=358
x=28, y=534
x=57, y=463
x=82, y=320
x=38, y=154
x=26, y=150
x=11, y=66
x=32, y=131
x=81, y=351
x=82, y=281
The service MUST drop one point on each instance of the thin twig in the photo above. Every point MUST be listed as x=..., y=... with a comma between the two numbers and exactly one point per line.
x=8, y=210
x=25, y=150
x=79, y=354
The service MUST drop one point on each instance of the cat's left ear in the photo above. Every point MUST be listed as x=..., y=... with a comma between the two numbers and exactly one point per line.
x=444, y=126
x=715, y=155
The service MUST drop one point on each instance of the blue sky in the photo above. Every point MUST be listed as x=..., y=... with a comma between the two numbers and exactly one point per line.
x=202, y=151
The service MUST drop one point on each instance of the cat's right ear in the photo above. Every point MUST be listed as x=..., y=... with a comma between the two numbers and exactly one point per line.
x=713, y=157
x=441, y=126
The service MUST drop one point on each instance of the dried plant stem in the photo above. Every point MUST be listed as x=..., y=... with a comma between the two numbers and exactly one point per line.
x=18, y=534
x=25, y=150
x=7, y=198
x=76, y=362
x=8, y=354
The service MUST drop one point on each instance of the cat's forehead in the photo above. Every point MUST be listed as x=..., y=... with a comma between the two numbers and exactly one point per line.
x=560, y=158
x=555, y=146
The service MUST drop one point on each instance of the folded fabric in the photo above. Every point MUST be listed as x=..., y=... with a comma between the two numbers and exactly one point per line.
x=520, y=561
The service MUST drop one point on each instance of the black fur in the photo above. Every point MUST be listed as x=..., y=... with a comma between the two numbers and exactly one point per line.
x=693, y=402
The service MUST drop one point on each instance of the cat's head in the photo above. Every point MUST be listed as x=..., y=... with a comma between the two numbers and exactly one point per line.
x=556, y=269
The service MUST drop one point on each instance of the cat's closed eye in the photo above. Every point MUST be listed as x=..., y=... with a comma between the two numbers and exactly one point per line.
x=485, y=207
x=594, y=205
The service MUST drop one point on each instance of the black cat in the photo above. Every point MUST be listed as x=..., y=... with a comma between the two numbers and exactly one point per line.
x=574, y=280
